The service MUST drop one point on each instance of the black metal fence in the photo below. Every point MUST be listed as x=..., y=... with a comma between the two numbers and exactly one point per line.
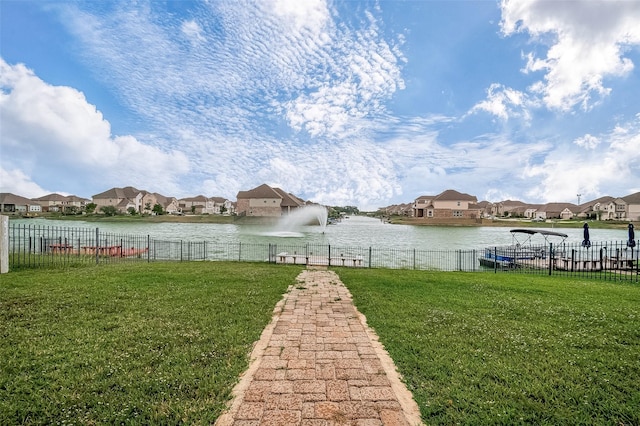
x=38, y=246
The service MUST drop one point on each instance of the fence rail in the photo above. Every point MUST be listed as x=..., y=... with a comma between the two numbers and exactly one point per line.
x=36, y=246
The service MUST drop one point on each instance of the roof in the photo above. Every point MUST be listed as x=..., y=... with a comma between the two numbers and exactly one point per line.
x=606, y=199
x=52, y=197
x=453, y=195
x=200, y=198
x=558, y=207
x=288, y=200
x=126, y=192
x=76, y=198
x=426, y=197
x=632, y=198
x=512, y=203
x=9, y=198
x=262, y=191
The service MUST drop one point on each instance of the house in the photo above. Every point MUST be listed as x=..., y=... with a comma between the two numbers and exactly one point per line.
x=222, y=206
x=197, y=205
x=616, y=209
x=422, y=204
x=203, y=205
x=508, y=208
x=594, y=209
x=531, y=211
x=404, y=209
x=446, y=205
x=633, y=206
x=169, y=204
x=289, y=201
x=125, y=198
x=51, y=202
x=266, y=201
x=122, y=199
x=557, y=211
x=61, y=203
x=15, y=204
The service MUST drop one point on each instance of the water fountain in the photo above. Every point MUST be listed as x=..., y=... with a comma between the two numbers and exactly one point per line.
x=289, y=225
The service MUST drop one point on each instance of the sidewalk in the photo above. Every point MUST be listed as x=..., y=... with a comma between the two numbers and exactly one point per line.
x=317, y=363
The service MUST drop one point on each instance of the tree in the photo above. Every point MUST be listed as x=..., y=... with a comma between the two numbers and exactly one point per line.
x=109, y=210
x=157, y=209
x=132, y=211
x=222, y=209
x=90, y=208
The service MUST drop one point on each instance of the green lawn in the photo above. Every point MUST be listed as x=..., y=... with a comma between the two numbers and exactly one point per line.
x=508, y=349
x=159, y=343
x=164, y=343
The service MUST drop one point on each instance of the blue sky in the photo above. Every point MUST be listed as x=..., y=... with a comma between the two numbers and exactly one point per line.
x=342, y=103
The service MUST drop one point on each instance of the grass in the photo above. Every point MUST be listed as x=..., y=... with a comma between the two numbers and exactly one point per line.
x=164, y=343
x=130, y=343
x=508, y=349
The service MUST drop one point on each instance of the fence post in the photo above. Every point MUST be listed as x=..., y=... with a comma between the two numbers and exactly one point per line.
x=369, y=256
x=97, y=245
x=551, y=258
x=573, y=258
x=495, y=260
x=240, y=252
x=329, y=260
x=4, y=244
x=414, y=259
x=148, y=248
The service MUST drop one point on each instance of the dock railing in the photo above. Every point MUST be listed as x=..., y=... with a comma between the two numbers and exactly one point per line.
x=32, y=246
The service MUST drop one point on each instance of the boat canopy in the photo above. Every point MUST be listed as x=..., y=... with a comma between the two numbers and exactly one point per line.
x=541, y=232
x=531, y=232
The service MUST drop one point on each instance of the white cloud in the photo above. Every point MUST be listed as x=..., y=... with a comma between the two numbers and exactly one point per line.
x=18, y=183
x=587, y=141
x=309, y=14
x=277, y=83
x=191, y=29
x=504, y=102
x=588, y=40
x=49, y=130
x=611, y=164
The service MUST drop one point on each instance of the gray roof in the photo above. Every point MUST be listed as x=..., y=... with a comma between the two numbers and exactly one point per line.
x=262, y=191
x=9, y=198
x=453, y=195
x=632, y=198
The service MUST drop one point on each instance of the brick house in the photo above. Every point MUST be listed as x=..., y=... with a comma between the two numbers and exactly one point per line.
x=265, y=201
x=447, y=205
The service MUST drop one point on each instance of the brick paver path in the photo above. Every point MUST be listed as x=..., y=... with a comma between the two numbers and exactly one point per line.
x=318, y=364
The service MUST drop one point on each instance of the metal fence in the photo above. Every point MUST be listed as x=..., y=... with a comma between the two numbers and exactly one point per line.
x=41, y=246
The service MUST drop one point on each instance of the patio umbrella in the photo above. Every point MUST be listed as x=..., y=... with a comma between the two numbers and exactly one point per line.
x=632, y=237
x=586, y=243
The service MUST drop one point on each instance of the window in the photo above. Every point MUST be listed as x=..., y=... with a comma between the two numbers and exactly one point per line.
x=429, y=213
x=457, y=213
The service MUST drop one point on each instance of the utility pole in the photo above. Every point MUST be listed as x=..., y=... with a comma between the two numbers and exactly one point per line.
x=579, y=195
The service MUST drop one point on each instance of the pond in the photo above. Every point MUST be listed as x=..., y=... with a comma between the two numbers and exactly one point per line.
x=356, y=231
